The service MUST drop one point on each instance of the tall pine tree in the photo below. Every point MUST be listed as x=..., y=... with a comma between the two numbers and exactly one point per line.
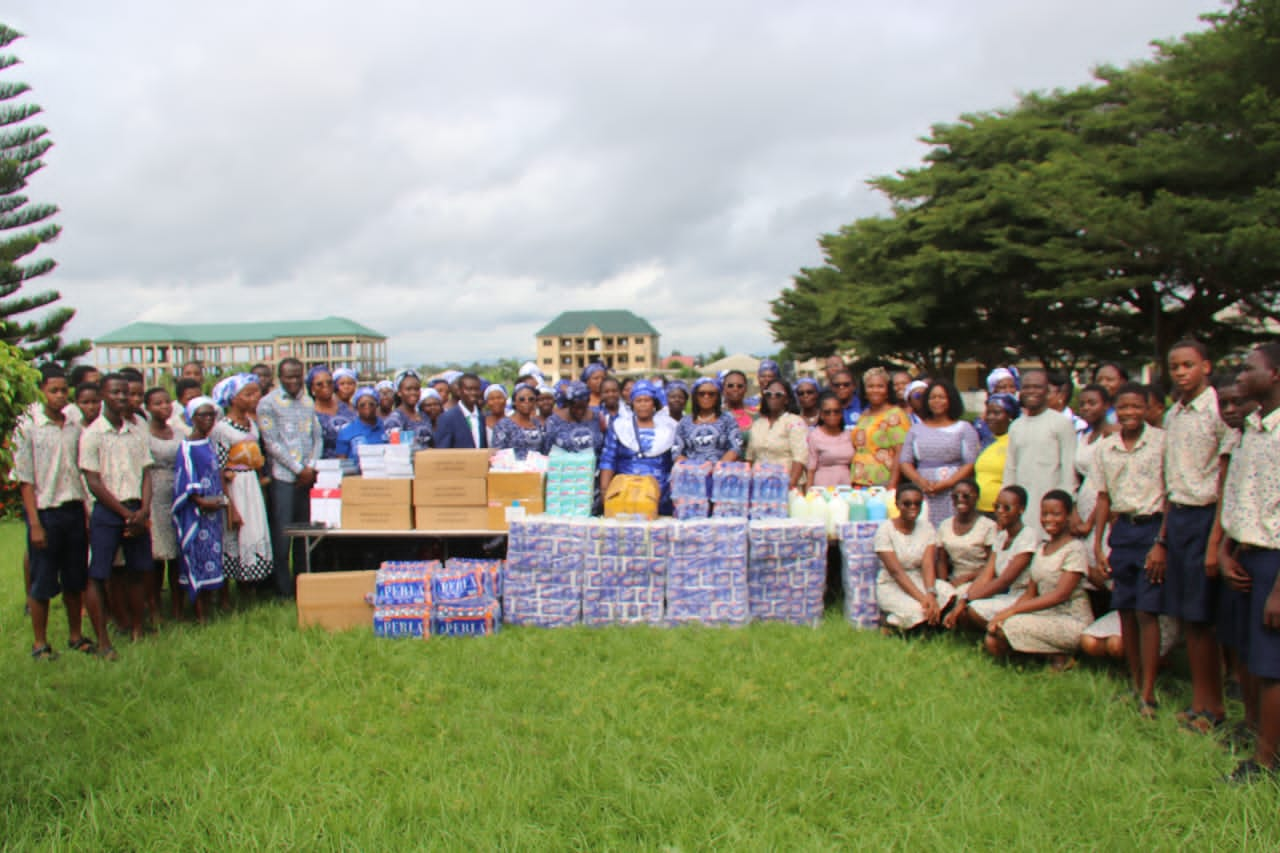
x=25, y=227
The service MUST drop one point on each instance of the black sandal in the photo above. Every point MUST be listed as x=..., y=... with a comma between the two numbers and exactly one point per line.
x=44, y=652
x=84, y=644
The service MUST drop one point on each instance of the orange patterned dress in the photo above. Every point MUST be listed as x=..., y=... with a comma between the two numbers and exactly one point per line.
x=877, y=439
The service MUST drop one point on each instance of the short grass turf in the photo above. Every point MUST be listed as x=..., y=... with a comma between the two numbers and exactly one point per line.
x=251, y=734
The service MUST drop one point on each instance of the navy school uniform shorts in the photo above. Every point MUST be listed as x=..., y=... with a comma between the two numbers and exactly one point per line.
x=1189, y=594
x=63, y=564
x=1263, y=654
x=1130, y=544
x=106, y=534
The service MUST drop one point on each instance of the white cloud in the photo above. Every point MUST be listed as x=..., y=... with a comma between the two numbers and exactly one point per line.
x=454, y=175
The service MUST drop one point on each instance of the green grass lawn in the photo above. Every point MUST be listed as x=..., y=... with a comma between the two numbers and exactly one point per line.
x=251, y=734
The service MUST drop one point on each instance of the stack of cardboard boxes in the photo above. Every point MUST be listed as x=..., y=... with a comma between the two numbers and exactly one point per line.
x=377, y=504
x=450, y=491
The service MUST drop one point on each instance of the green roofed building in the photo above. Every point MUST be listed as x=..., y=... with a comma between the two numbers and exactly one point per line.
x=619, y=340
x=160, y=349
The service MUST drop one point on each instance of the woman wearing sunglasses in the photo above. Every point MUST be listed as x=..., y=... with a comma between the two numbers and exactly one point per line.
x=778, y=434
x=830, y=450
x=907, y=588
x=708, y=434
x=807, y=393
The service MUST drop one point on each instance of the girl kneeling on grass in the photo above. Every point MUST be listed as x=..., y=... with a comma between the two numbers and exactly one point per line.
x=907, y=588
x=1004, y=578
x=1053, y=612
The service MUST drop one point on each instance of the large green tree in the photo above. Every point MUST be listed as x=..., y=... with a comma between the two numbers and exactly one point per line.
x=1099, y=223
x=25, y=227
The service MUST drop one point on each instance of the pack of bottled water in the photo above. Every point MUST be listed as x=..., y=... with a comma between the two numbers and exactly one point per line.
x=786, y=570
x=731, y=483
x=466, y=580
x=402, y=621
x=859, y=567
x=480, y=617
x=707, y=573
x=770, y=484
x=404, y=583
x=685, y=509
x=691, y=489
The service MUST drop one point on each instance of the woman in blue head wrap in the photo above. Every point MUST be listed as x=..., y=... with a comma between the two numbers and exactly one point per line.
x=367, y=428
x=592, y=376
x=767, y=372
x=1001, y=410
x=640, y=442
x=332, y=413
x=546, y=402
x=677, y=399
x=807, y=391
x=521, y=431
x=246, y=541
x=345, y=381
x=574, y=428
x=414, y=427
x=386, y=398
x=709, y=434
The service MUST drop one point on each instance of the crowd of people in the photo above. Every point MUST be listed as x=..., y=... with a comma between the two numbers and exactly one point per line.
x=1113, y=530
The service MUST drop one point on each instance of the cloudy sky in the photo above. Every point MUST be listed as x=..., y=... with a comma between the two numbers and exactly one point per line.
x=455, y=174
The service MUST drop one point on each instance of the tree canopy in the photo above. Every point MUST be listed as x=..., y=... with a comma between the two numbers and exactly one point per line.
x=25, y=227
x=1101, y=223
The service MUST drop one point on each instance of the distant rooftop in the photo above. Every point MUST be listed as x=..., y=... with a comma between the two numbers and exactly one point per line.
x=608, y=322
x=215, y=333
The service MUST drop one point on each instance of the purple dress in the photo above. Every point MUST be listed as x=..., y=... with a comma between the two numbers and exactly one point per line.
x=507, y=434
x=331, y=425
x=197, y=472
x=937, y=452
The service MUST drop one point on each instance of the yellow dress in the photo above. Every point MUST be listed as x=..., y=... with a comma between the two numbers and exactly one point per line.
x=989, y=472
x=877, y=439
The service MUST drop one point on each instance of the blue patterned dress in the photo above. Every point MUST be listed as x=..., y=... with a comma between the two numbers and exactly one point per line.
x=507, y=434
x=331, y=425
x=937, y=452
x=418, y=429
x=197, y=472
x=707, y=442
x=573, y=436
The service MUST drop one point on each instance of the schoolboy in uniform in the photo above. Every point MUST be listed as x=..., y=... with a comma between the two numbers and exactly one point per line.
x=1250, y=553
x=1196, y=438
x=46, y=464
x=1128, y=467
x=115, y=456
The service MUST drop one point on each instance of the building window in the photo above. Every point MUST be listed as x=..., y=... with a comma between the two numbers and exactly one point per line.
x=546, y=342
x=565, y=343
x=622, y=358
x=593, y=345
x=639, y=339
x=622, y=342
x=568, y=359
x=547, y=361
x=639, y=359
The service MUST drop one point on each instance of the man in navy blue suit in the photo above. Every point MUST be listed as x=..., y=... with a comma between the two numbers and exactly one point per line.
x=463, y=425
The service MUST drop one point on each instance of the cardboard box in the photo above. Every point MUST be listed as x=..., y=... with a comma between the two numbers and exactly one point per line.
x=515, y=486
x=451, y=518
x=376, y=516
x=361, y=491
x=450, y=492
x=498, y=512
x=451, y=464
x=335, y=600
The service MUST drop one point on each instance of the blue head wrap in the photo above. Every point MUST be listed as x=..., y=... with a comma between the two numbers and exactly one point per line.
x=768, y=364
x=677, y=385
x=403, y=375
x=345, y=373
x=707, y=381
x=572, y=391
x=226, y=390
x=385, y=385
x=645, y=388
x=495, y=387
x=361, y=393
x=1008, y=402
x=451, y=376
x=592, y=369
x=999, y=373
x=430, y=394
x=314, y=372
x=806, y=380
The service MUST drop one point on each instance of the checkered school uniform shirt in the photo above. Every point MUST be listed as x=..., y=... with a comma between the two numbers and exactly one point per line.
x=121, y=456
x=1251, y=494
x=47, y=456
x=1195, y=439
x=1133, y=478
